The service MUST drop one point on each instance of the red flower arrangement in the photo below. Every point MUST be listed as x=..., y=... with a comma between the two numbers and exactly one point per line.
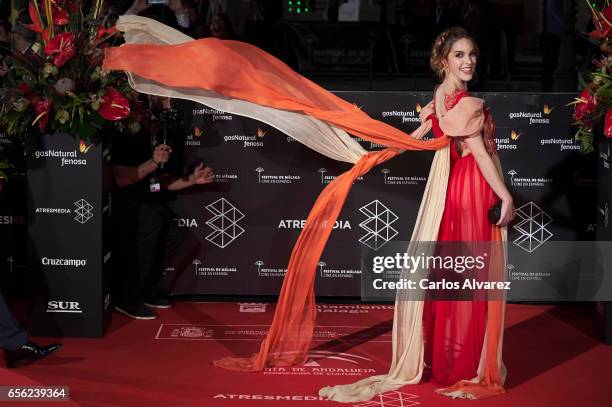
x=595, y=101
x=58, y=83
x=585, y=106
x=61, y=47
x=114, y=106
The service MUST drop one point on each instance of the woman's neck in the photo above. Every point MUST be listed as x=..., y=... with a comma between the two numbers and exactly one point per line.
x=450, y=84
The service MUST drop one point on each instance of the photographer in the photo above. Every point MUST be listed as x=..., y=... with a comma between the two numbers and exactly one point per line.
x=147, y=171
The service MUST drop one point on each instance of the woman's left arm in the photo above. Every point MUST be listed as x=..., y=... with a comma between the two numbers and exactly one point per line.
x=489, y=172
x=426, y=111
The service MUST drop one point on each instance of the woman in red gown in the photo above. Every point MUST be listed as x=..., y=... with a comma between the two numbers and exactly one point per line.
x=455, y=330
x=463, y=340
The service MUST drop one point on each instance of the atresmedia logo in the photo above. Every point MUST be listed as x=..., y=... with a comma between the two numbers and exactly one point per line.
x=83, y=211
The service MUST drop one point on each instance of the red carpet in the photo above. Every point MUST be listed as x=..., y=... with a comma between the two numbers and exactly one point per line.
x=553, y=359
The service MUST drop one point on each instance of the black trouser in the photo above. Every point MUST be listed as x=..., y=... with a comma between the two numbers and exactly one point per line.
x=145, y=238
x=12, y=335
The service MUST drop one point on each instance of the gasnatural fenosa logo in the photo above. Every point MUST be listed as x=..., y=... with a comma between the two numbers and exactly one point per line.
x=67, y=158
x=83, y=147
x=410, y=116
x=193, y=139
x=214, y=113
x=539, y=117
x=508, y=143
x=261, y=133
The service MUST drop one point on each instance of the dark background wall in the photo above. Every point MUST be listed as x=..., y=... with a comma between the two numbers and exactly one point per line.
x=526, y=45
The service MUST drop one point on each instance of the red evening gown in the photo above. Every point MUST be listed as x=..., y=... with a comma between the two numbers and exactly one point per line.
x=455, y=330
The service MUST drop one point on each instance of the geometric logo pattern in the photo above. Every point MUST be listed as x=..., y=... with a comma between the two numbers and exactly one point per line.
x=377, y=224
x=83, y=211
x=391, y=399
x=224, y=223
x=532, y=227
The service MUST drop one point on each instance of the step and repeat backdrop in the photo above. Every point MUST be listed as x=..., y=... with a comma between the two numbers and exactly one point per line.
x=247, y=223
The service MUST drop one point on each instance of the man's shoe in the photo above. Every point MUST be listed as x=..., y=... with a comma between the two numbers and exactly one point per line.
x=158, y=301
x=29, y=352
x=136, y=311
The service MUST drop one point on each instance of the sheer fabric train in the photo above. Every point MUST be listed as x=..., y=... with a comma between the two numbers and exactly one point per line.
x=241, y=79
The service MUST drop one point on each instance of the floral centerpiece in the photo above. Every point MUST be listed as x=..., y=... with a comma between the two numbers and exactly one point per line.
x=595, y=102
x=57, y=84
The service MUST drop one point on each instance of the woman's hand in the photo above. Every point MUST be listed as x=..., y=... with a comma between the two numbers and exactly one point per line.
x=426, y=111
x=507, y=212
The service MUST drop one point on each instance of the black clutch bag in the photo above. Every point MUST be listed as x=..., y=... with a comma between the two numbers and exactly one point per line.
x=495, y=213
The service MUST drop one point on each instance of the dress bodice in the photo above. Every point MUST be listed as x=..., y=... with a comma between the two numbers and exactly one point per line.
x=458, y=148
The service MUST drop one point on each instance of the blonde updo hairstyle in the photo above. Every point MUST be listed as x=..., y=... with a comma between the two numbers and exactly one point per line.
x=442, y=46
